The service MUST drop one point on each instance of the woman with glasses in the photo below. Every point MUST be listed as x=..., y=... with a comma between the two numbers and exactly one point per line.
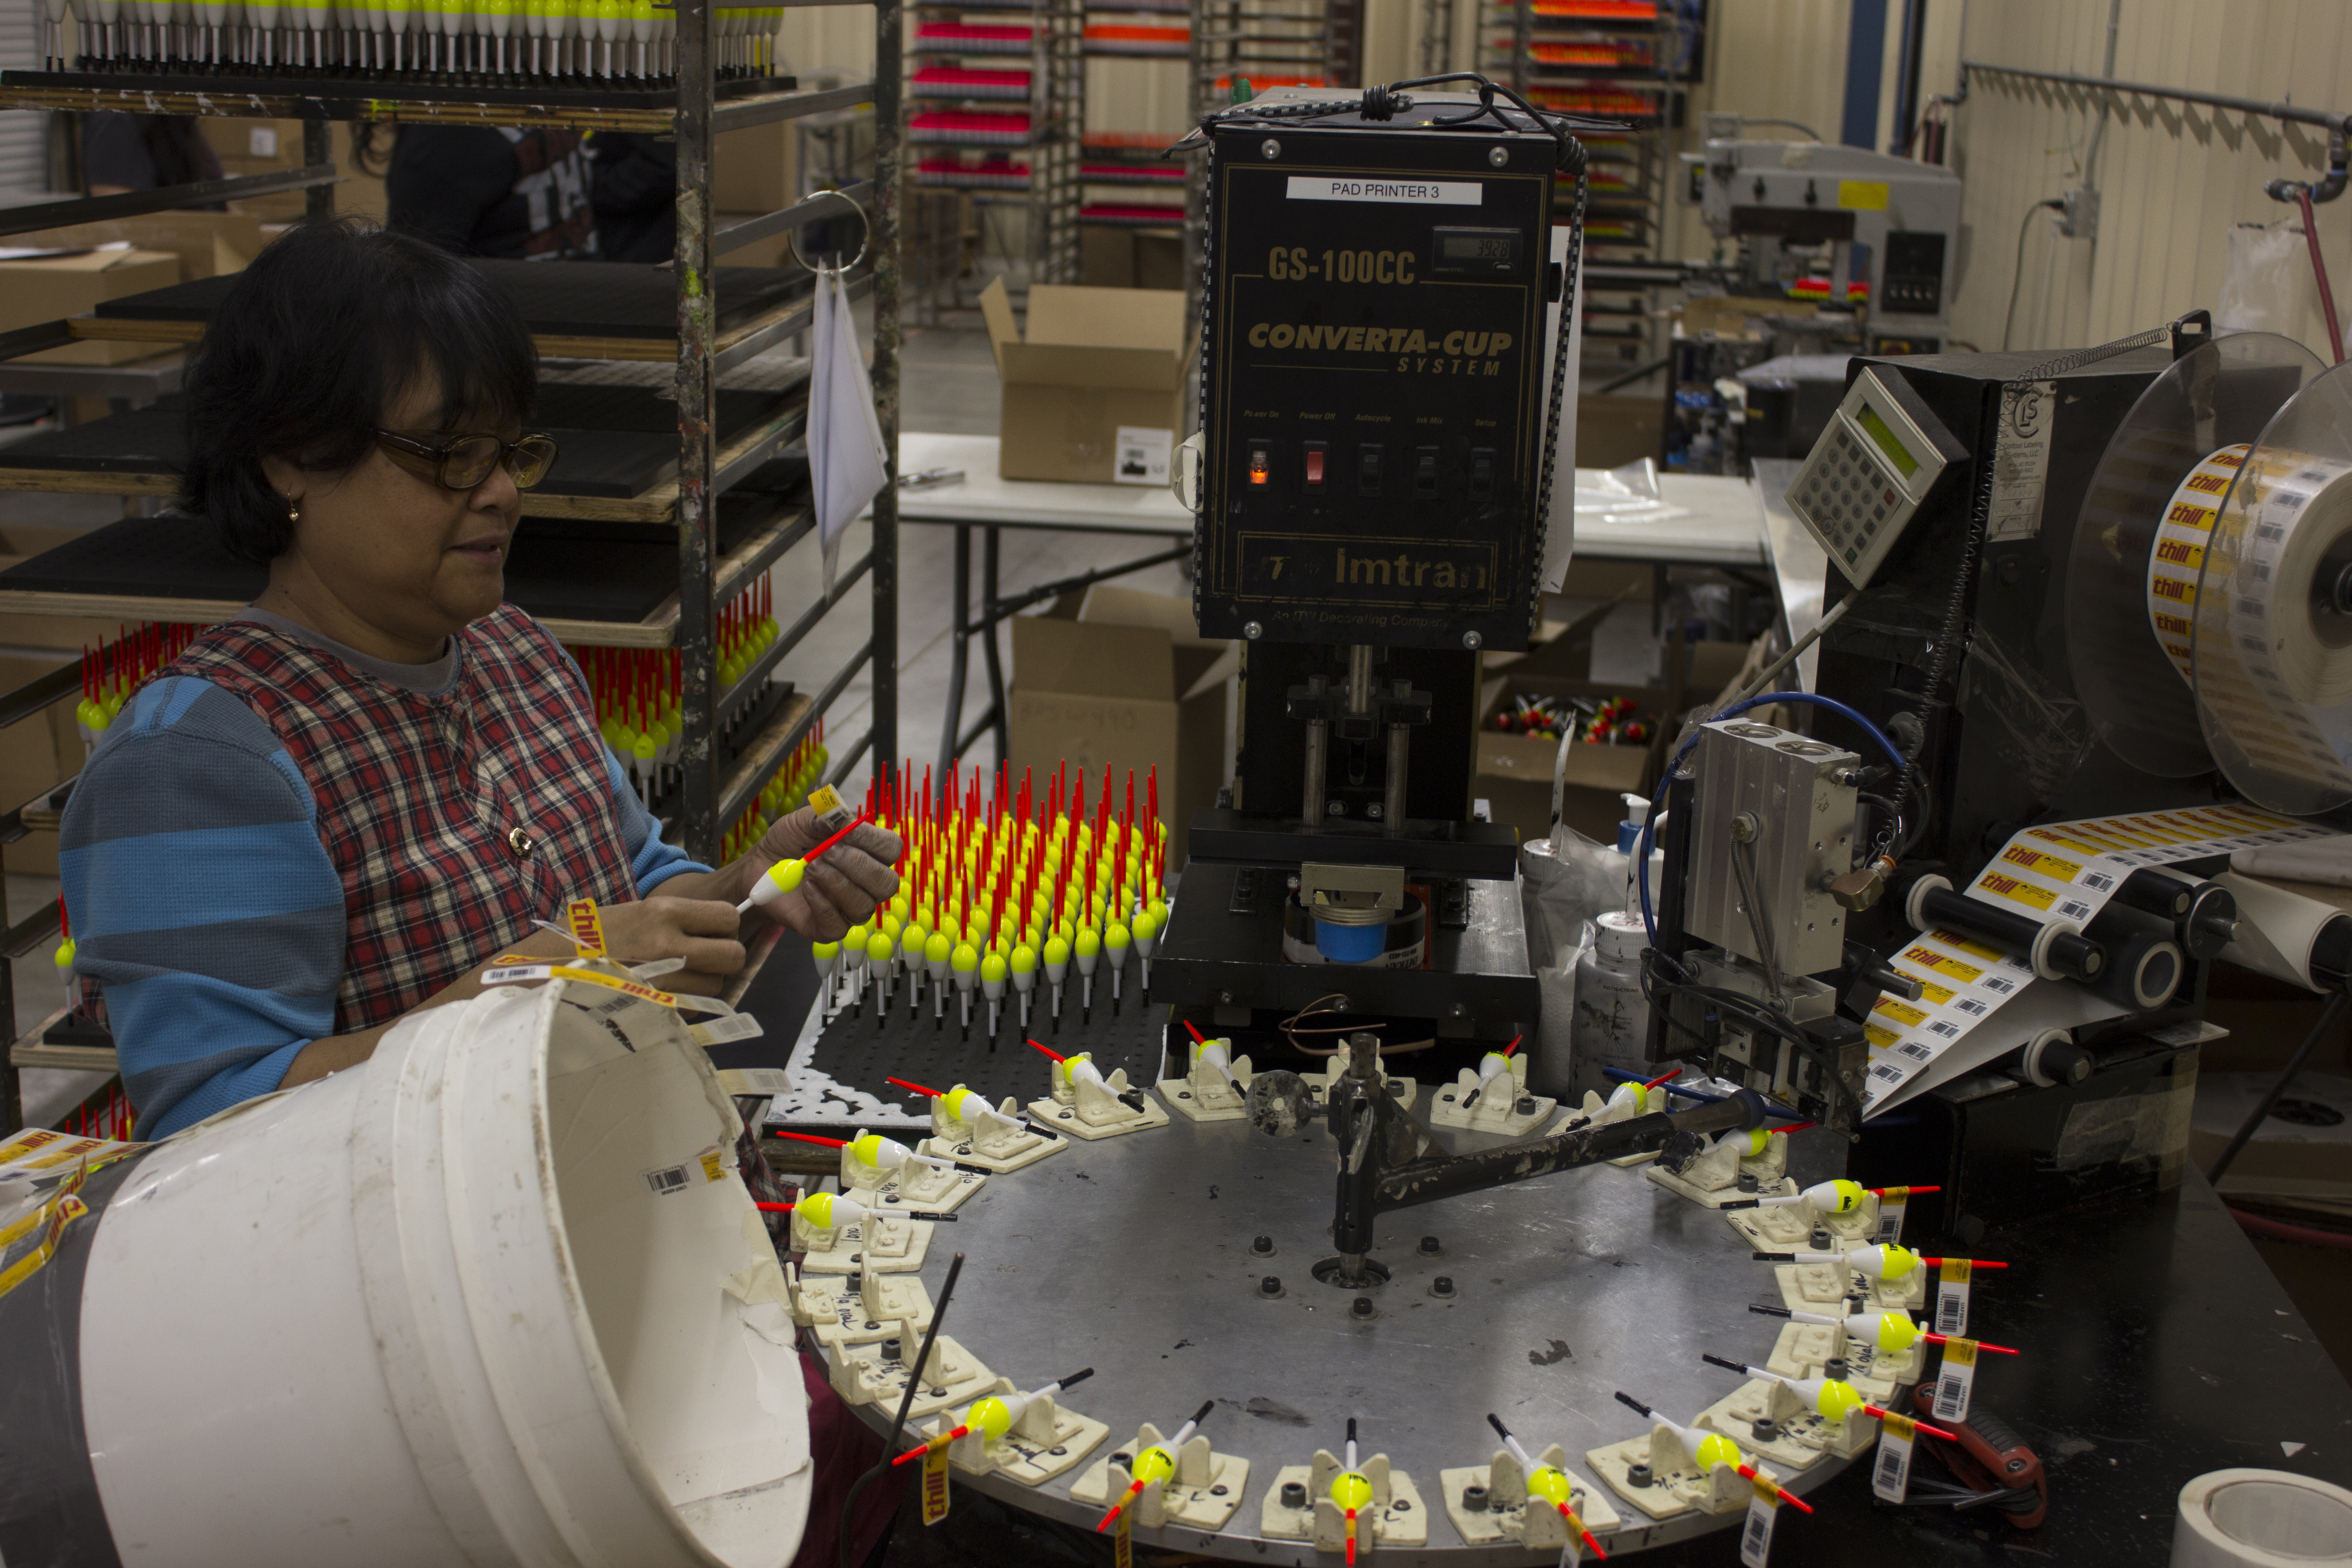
x=334, y=809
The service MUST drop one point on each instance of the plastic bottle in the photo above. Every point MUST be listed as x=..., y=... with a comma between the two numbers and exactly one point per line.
x=1612, y=1026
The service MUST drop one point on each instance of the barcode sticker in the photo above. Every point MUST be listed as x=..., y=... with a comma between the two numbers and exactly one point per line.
x=665, y=1183
x=1916, y=1051
x=1891, y=1476
x=1954, y=1379
x=831, y=813
x=1891, y=1074
x=1952, y=1298
x=1972, y=1006
x=1995, y=983
x=2098, y=881
x=1945, y=1027
x=726, y=1030
x=755, y=1080
x=1890, y=1222
x=2074, y=908
x=1756, y=1535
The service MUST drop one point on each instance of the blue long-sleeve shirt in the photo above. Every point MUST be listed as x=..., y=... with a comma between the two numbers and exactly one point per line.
x=206, y=903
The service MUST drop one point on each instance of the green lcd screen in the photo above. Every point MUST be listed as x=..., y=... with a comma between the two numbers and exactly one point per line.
x=1897, y=453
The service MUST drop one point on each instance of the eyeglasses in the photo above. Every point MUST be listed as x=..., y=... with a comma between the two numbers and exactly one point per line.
x=465, y=459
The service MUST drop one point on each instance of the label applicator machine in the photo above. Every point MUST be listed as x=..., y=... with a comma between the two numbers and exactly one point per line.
x=1379, y=414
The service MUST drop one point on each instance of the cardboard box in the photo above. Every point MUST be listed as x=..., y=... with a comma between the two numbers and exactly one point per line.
x=1562, y=642
x=1094, y=362
x=1611, y=580
x=1131, y=258
x=207, y=244
x=1514, y=774
x=1123, y=683
x=754, y=170
x=2302, y=1154
x=32, y=292
x=1613, y=430
x=273, y=146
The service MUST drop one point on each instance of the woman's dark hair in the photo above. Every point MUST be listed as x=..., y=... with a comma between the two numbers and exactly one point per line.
x=314, y=341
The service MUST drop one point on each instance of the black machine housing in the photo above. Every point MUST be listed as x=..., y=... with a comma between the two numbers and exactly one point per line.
x=1372, y=387
x=2008, y=743
x=1378, y=428
x=2009, y=740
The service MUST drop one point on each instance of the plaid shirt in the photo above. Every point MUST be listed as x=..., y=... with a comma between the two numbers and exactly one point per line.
x=452, y=820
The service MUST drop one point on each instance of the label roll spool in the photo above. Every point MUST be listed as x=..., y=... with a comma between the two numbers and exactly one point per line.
x=2289, y=937
x=2261, y=1519
x=2271, y=649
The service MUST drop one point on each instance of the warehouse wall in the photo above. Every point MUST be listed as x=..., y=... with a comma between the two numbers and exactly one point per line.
x=2173, y=178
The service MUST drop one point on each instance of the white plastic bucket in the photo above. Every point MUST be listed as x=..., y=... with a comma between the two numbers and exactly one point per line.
x=453, y=1306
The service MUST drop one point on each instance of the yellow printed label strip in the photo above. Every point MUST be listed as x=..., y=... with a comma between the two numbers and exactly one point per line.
x=1942, y=963
x=2017, y=889
x=514, y=974
x=1964, y=981
x=50, y=1219
x=587, y=928
x=2041, y=860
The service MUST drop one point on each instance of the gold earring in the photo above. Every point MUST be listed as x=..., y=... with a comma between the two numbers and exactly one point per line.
x=293, y=509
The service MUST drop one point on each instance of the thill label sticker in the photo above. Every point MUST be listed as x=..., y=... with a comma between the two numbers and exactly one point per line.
x=585, y=926
x=935, y=1485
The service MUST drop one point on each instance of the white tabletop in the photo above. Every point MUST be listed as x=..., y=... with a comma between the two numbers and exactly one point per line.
x=1721, y=525
x=981, y=497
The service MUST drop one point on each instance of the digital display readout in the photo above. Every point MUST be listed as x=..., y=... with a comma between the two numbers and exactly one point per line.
x=1477, y=247
x=1896, y=452
x=1484, y=250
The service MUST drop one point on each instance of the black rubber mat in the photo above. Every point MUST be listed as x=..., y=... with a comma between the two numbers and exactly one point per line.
x=614, y=442
x=552, y=576
x=856, y=1053
x=558, y=298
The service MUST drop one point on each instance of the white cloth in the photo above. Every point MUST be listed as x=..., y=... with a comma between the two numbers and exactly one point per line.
x=848, y=462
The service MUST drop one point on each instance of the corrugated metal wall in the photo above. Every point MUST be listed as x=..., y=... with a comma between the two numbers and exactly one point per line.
x=2173, y=179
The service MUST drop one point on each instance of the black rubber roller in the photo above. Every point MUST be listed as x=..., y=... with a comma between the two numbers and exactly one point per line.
x=2057, y=950
x=2143, y=971
x=2203, y=916
x=2145, y=963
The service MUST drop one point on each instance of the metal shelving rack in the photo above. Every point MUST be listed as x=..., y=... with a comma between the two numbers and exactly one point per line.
x=1119, y=167
x=712, y=795
x=956, y=102
x=1267, y=43
x=1622, y=60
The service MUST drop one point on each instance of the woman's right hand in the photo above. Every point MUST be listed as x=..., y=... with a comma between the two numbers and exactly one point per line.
x=700, y=931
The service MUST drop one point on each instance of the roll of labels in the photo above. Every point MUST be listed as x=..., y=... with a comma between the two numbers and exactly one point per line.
x=2246, y=576
x=2071, y=922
